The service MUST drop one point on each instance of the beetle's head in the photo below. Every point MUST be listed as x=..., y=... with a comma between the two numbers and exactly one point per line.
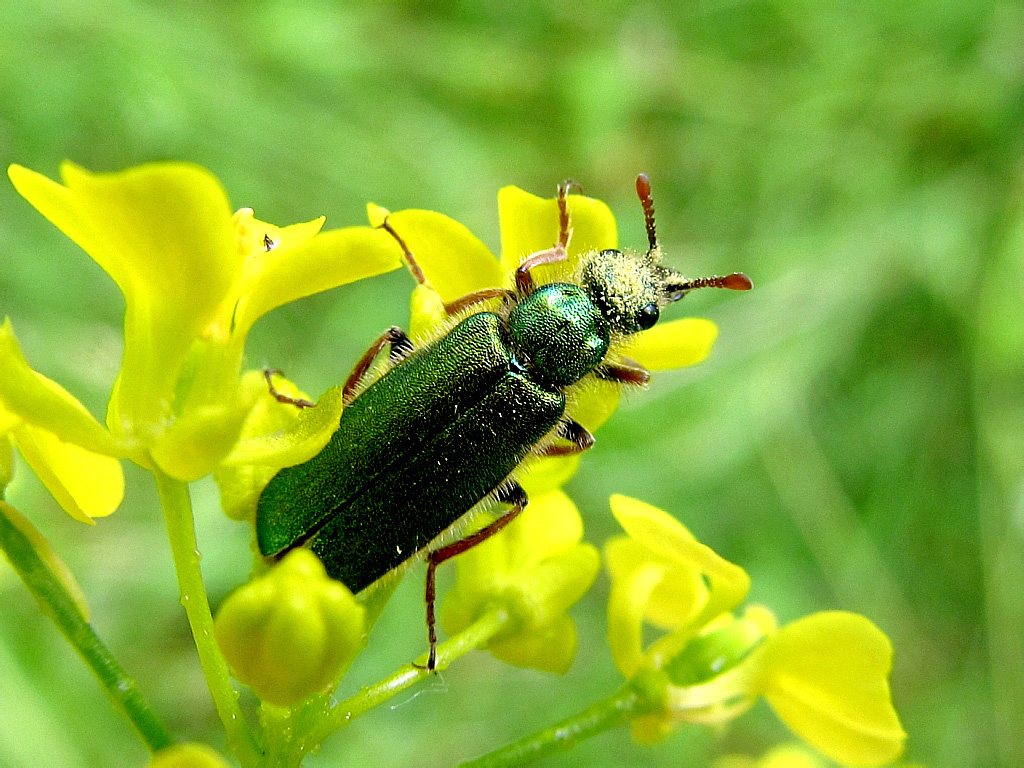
x=630, y=289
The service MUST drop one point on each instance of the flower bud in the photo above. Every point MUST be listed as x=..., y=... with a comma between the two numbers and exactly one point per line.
x=291, y=633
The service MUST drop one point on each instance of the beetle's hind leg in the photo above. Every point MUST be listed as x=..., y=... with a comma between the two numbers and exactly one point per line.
x=400, y=346
x=511, y=494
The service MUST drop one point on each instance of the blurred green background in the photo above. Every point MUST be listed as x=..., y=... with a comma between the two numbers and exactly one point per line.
x=855, y=440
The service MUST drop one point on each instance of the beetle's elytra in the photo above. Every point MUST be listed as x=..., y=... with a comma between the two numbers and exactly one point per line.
x=445, y=426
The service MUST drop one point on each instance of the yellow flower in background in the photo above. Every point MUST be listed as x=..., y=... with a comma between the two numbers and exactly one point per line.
x=195, y=278
x=188, y=755
x=825, y=675
x=783, y=756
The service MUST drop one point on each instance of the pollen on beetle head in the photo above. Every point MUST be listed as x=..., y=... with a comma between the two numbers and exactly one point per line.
x=623, y=286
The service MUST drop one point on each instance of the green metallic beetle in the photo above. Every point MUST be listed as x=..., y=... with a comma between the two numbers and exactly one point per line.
x=446, y=425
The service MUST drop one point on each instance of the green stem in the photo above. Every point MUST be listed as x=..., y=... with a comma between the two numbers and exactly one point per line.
x=474, y=636
x=608, y=713
x=54, y=599
x=177, y=506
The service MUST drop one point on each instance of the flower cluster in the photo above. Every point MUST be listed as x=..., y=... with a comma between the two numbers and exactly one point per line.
x=196, y=277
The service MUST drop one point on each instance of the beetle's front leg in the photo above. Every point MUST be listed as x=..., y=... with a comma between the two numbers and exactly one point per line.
x=524, y=282
x=623, y=374
x=512, y=494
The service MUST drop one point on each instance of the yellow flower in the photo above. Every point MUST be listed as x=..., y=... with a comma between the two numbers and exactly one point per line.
x=290, y=634
x=195, y=278
x=783, y=756
x=825, y=675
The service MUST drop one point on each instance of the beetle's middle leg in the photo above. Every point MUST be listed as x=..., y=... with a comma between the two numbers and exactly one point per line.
x=281, y=397
x=400, y=346
x=460, y=303
x=579, y=438
x=514, y=495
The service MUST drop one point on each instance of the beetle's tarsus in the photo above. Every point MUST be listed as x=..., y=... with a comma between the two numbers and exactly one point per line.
x=623, y=374
x=579, y=437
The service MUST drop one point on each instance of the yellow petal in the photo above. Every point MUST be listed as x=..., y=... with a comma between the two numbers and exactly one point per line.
x=188, y=755
x=826, y=676
x=6, y=459
x=302, y=438
x=650, y=729
x=326, y=261
x=627, y=605
x=673, y=344
x=36, y=399
x=275, y=435
x=663, y=534
x=257, y=238
x=678, y=598
x=551, y=649
x=164, y=233
x=549, y=525
x=529, y=224
x=594, y=401
x=539, y=595
x=427, y=315
x=376, y=214
x=84, y=483
x=198, y=441
x=452, y=258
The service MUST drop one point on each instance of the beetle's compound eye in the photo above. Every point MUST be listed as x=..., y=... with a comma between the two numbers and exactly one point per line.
x=647, y=316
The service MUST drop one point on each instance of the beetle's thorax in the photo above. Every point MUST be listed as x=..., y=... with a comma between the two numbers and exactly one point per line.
x=558, y=334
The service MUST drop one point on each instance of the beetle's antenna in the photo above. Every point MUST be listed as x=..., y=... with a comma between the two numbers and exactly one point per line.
x=643, y=191
x=737, y=281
